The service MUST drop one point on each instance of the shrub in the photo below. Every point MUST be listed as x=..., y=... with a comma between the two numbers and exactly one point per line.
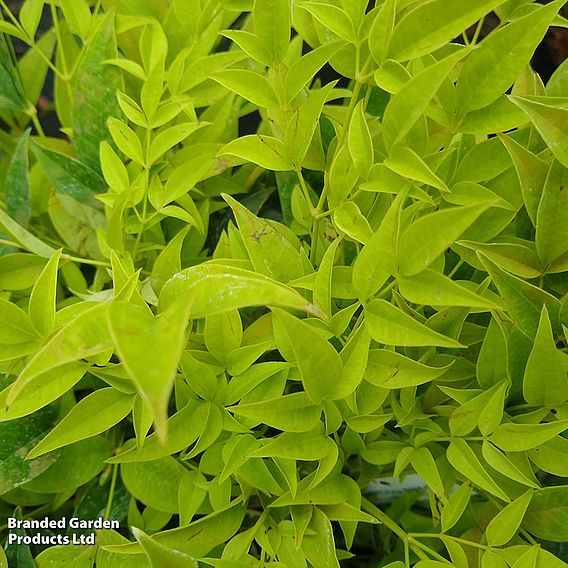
x=235, y=345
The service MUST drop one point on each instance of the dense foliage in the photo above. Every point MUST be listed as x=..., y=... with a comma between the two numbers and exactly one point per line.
x=224, y=341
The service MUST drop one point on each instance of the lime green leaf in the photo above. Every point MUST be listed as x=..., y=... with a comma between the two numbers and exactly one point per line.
x=114, y=171
x=251, y=45
x=296, y=446
x=429, y=236
x=42, y=300
x=456, y=505
x=323, y=279
x=547, y=515
x=502, y=528
x=302, y=71
x=17, y=437
x=552, y=456
x=532, y=173
x=168, y=138
x=333, y=18
x=319, y=363
x=94, y=86
x=223, y=333
x=500, y=116
x=202, y=68
x=75, y=555
x=85, y=336
x=521, y=437
x=250, y=85
x=15, y=325
x=155, y=482
x=266, y=151
x=184, y=178
x=319, y=546
x=406, y=163
x=78, y=15
x=291, y=412
x=11, y=92
x=33, y=67
x=304, y=124
x=272, y=26
x=184, y=428
x=523, y=300
x=427, y=26
x=430, y=564
x=215, y=288
x=381, y=30
x=349, y=219
x=466, y=417
x=376, y=261
x=545, y=382
x=168, y=262
x=266, y=246
x=391, y=370
x=551, y=122
x=160, y=555
x=150, y=348
x=552, y=216
x=423, y=463
x=17, y=183
x=92, y=415
x=464, y=460
x=196, y=539
x=42, y=390
x=410, y=102
x=22, y=236
x=30, y=14
x=491, y=415
x=436, y=289
x=360, y=142
x=354, y=357
x=69, y=176
x=503, y=464
x=390, y=325
x=126, y=139
x=493, y=67
x=515, y=258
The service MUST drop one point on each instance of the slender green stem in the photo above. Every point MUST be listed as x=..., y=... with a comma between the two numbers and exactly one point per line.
x=111, y=491
x=381, y=516
x=28, y=39
x=304, y=188
x=456, y=268
x=429, y=551
x=255, y=174
x=97, y=7
x=13, y=18
x=478, y=31
x=350, y=110
x=315, y=219
x=10, y=243
x=529, y=538
x=66, y=78
x=454, y=538
x=57, y=27
x=80, y=260
x=144, y=219
x=37, y=124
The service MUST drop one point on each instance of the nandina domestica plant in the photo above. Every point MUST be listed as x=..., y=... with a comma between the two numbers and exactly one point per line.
x=242, y=304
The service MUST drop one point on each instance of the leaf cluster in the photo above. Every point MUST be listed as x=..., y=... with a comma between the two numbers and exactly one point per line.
x=338, y=341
